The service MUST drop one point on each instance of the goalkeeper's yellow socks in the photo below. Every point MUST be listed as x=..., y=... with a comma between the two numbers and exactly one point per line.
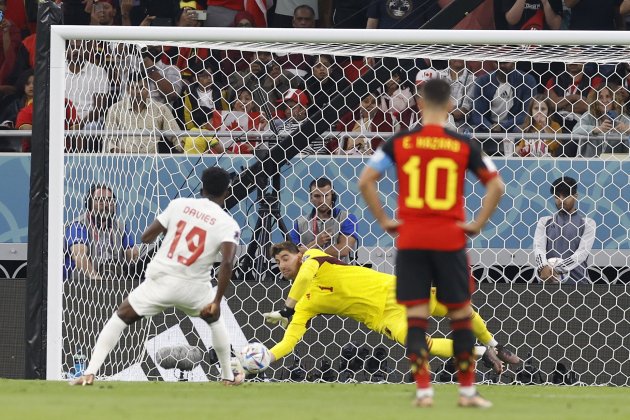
x=443, y=347
x=481, y=331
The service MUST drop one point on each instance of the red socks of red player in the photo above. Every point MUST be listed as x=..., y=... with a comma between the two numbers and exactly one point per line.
x=463, y=344
x=418, y=351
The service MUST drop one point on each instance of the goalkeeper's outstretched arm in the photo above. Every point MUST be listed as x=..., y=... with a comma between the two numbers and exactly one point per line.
x=293, y=334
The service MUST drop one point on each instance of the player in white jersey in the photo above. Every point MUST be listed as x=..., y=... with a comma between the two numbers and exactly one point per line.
x=196, y=230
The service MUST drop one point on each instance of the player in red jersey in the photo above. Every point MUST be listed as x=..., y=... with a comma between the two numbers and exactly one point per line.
x=431, y=164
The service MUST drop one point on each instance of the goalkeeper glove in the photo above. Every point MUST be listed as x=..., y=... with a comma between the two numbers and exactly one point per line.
x=561, y=267
x=279, y=317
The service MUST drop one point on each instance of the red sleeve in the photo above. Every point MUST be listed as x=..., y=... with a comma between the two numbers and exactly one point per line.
x=24, y=116
x=71, y=114
x=551, y=83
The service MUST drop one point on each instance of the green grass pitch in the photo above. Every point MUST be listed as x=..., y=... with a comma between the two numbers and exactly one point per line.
x=301, y=401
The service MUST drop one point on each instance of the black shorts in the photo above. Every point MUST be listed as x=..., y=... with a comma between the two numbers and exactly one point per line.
x=418, y=269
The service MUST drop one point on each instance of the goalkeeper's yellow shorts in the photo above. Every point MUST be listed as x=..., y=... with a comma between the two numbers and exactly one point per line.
x=394, y=321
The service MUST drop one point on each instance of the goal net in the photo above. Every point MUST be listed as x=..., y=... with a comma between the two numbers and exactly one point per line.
x=147, y=109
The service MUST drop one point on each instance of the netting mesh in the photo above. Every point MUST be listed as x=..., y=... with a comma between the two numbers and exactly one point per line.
x=144, y=120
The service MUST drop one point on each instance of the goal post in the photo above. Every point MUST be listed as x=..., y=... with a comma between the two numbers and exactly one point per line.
x=520, y=312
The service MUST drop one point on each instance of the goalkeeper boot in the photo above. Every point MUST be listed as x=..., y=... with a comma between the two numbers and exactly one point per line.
x=491, y=360
x=83, y=380
x=476, y=401
x=507, y=356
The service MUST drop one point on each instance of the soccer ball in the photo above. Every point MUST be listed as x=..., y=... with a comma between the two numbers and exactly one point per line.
x=255, y=357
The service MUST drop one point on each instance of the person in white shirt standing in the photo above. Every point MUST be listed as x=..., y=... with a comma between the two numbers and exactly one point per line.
x=195, y=231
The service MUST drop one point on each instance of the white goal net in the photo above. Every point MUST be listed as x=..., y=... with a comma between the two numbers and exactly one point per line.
x=147, y=109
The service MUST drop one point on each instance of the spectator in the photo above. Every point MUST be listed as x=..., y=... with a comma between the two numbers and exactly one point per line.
x=305, y=12
x=499, y=103
x=196, y=107
x=22, y=97
x=165, y=81
x=222, y=12
x=462, y=83
x=567, y=236
x=538, y=120
x=199, y=99
x=104, y=13
x=294, y=107
x=87, y=85
x=244, y=20
x=299, y=64
x=411, y=14
x=98, y=245
x=365, y=121
x=569, y=90
x=137, y=111
x=24, y=121
x=412, y=117
x=22, y=14
x=186, y=58
x=397, y=94
x=604, y=116
x=265, y=74
x=245, y=115
x=350, y=14
x=324, y=83
x=594, y=15
x=10, y=41
x=326, y=227
x=533, y=14
x=304, y=16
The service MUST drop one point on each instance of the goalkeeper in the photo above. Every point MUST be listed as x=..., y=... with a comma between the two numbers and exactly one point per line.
x=324, y=285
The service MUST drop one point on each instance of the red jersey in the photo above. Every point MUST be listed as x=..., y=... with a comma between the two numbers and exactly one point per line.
x=431, y=164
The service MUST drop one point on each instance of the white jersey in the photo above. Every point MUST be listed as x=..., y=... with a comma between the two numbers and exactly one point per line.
x=195, y=230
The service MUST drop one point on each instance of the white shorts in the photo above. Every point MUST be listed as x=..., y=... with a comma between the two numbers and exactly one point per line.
x=154, y=296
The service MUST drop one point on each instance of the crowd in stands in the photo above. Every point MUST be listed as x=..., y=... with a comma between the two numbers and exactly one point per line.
x=354, y=102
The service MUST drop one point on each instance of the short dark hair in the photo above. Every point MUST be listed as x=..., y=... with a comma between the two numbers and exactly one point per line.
x=436, y=92
x=216, y=181
x=564, y=186
x=305, y=7
x=319, y=183
x=284, y=246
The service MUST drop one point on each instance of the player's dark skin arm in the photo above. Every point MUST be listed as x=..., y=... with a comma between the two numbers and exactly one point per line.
x=367, y=185
x=151, y=233
x=125, y=311
x=212, y=312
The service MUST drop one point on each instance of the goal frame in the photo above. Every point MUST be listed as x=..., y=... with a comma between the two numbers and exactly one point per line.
x=254, y=36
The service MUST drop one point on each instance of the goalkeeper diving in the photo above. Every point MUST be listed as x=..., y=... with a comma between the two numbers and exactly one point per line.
x=323, y=284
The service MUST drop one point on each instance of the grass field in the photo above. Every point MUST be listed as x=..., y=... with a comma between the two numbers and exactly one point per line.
x=302, y=401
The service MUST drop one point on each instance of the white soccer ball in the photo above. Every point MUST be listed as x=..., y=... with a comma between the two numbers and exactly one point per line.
x=553, y=262
x=255, y=357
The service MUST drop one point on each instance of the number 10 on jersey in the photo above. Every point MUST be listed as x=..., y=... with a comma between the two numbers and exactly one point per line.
x=433, y=168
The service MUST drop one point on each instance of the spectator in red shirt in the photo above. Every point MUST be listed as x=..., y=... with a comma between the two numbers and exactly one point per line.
x=22, y=98
x=24, y=121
